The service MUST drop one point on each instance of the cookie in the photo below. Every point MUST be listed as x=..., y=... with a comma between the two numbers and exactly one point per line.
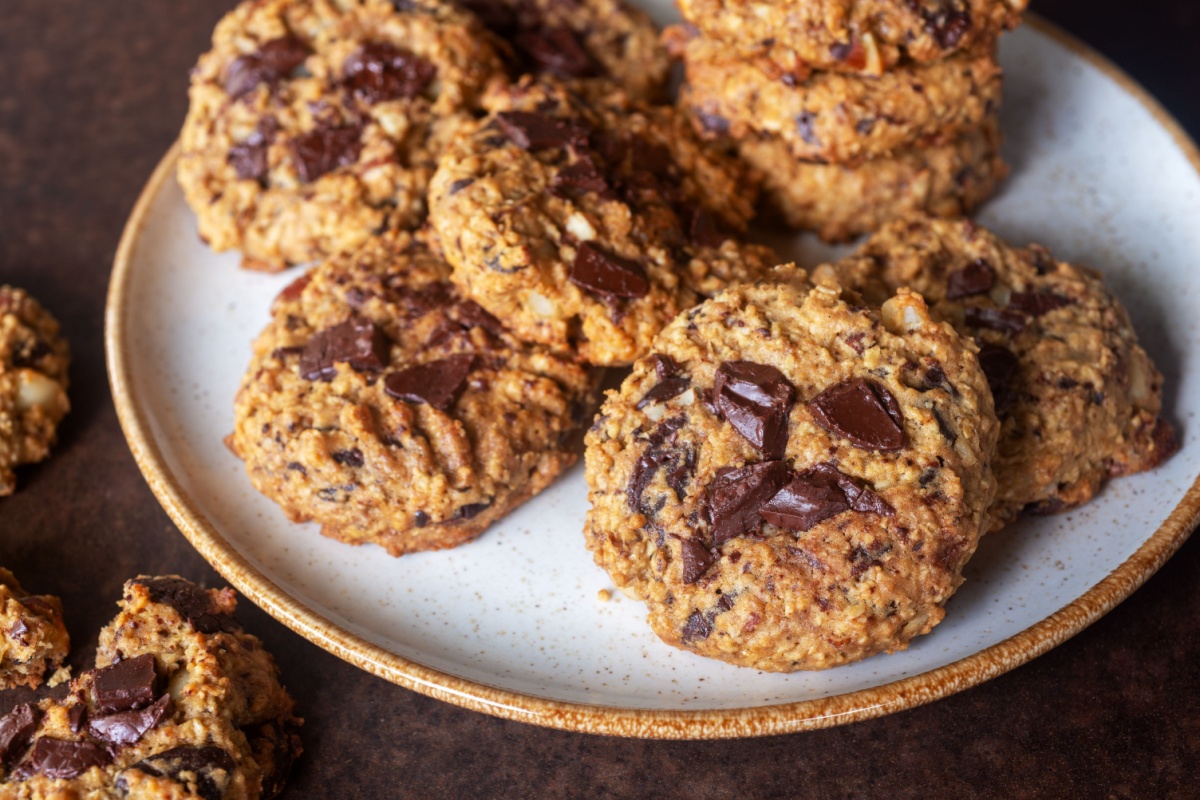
x=1078, y=398
x=182, y=704
x=839, y=202
x=791, y=480
x=314, y=125
x=388, y=408
x=33, y=383
x=580, y=39
x=587, y=221
x=854, y=36
x=33, y=639
x=841, y=118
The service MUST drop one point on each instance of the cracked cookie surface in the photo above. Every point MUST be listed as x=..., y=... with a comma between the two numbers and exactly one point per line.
x=790, y=480
x=33, y=639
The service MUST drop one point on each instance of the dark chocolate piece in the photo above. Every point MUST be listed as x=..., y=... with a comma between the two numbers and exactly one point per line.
x=207, y=770
x=273, y=61
x=358, y=342
x=698, y=626
x=996, y=319
x=705, y=230
x=817, y=494
x=1035, y=304
x=582, y=176
x=662, y=453
x=532, y=131
x=606, y=274
x=756, y=400
x=862, y=411
x=556, y=50
x=126, y=684
x=190, y=602
x=736, y=498
x=378, y=72
x=16, y=728
x=696, y=559
x=59, y=759
x=975, y=278
x=438, y=383
x=324, y=149
x=128, y=727
x=664, y=391
x=805, y=122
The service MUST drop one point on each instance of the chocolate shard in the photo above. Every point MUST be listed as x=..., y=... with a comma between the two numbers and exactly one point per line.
x=76, y=715
x=664, y=391
x=705, y=230
x=862, y=411
x=556, y=50
x=698, y=626
x=378, y=72
x=999, y=364
x=249, y=157
x=696, y=559
x=16, y=729
x=324, y=149
x=207, y=770
x=582, y=176
x=677, y=460
x=975, y=278
x=810, y=497
x=295, y=289
x=128, y=727
x=608, y=275
x=996, y=319
x=736, y=498
x=59, y=759
x=438, y=383
x=358, y=342
x=1035, y=304
x=273, y=62
x=532, y=131
x=497, y=16
x=806, y=127
x=664, y=366
x=756, y=400
x=191, y=602
x=125, y=685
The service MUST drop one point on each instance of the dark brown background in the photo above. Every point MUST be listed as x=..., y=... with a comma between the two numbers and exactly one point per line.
x=91, y=94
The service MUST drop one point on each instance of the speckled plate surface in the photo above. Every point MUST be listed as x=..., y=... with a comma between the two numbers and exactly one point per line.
x=512, y=624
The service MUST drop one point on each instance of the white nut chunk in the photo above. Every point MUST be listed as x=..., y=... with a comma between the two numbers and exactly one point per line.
x=36, y=390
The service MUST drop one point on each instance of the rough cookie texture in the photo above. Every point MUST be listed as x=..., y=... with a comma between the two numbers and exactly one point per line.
x=793, y=481
x=33, y=639
x=863, y=36
x=314, y=124
x=836, y=117
x=390, y=409
x=1078, y=398
x=182, y=704
x=33, y=383
x=586, y=221
x=839, y=202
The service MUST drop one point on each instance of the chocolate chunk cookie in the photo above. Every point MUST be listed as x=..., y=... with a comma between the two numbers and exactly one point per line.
x=33, y=639
x=791, y=480
x=587, y=221
x=858, y=36
x=314, y=125
x=33, y=383
x=838, y=202
x=836, y=117
x=182, y=704
x=390, y=409
x=1078, y=399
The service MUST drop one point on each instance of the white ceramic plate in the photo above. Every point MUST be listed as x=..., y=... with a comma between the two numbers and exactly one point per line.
x=512, y=624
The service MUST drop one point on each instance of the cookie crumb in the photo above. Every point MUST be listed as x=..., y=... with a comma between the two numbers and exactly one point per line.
x=604, y=595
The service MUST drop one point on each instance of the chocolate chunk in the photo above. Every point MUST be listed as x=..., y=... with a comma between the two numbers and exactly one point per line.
x=377, y=72
x=294, y=289
x=998, y=364
x=249, y=157
x=438, y=383
x=607, y=275
x=935, y=378
x=128, y=727
x=662, y=454
x=996, y=319
x=947, y=25
x=76, y=715
x=756, y=400
x=207, y=771
x=556, y=50
x=59, y=759
x=804, y=126
x=736, y=498
x=582, y=176
x=16, y=728
x=705, y=230
x=126, y=684
x=273, y=61
x=497, y=16
x=810, y=497
x=664, y=391
x=664, y=366
x=696, y=559
x=975, y=278
x=864, y=412
x=471, y=510
x=349, y=458
x=532, y=131
x=460, y=184
x=324, y=149
x=698, y=626
x=190, y=602
x=1035, y=304
x=19, y=629
x=358, y=342
x=470, y=314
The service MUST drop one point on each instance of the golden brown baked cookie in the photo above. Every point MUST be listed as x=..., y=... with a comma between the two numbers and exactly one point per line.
x=33, y=383
x=587, y=221
x=33, y=639
x=388, y=408
x=836, y=117
x=858, y=36
x=791, y=480
x=1078, y=399
x=839, y=202
x=315, y=124
x=182, y=704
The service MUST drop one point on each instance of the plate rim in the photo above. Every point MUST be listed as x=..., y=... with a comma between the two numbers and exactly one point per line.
x=765, y=720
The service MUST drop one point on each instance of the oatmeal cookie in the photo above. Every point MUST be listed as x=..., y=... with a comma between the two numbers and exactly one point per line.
x=182, y=704
x=856, y=36
x=1078, y=399
x=314, y=124
x=587, y=221
x=33, y=639
x=840, y=118
x=33, y=383
x=839, y=202
x=791, y=480
x=390, y=409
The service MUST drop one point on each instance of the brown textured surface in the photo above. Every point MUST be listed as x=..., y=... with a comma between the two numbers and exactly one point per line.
x=91, y=94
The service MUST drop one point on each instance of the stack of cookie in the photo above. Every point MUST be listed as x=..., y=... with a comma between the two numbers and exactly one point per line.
x=854, y=112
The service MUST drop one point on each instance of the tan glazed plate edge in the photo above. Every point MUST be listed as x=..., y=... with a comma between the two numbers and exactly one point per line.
x=664, y=724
